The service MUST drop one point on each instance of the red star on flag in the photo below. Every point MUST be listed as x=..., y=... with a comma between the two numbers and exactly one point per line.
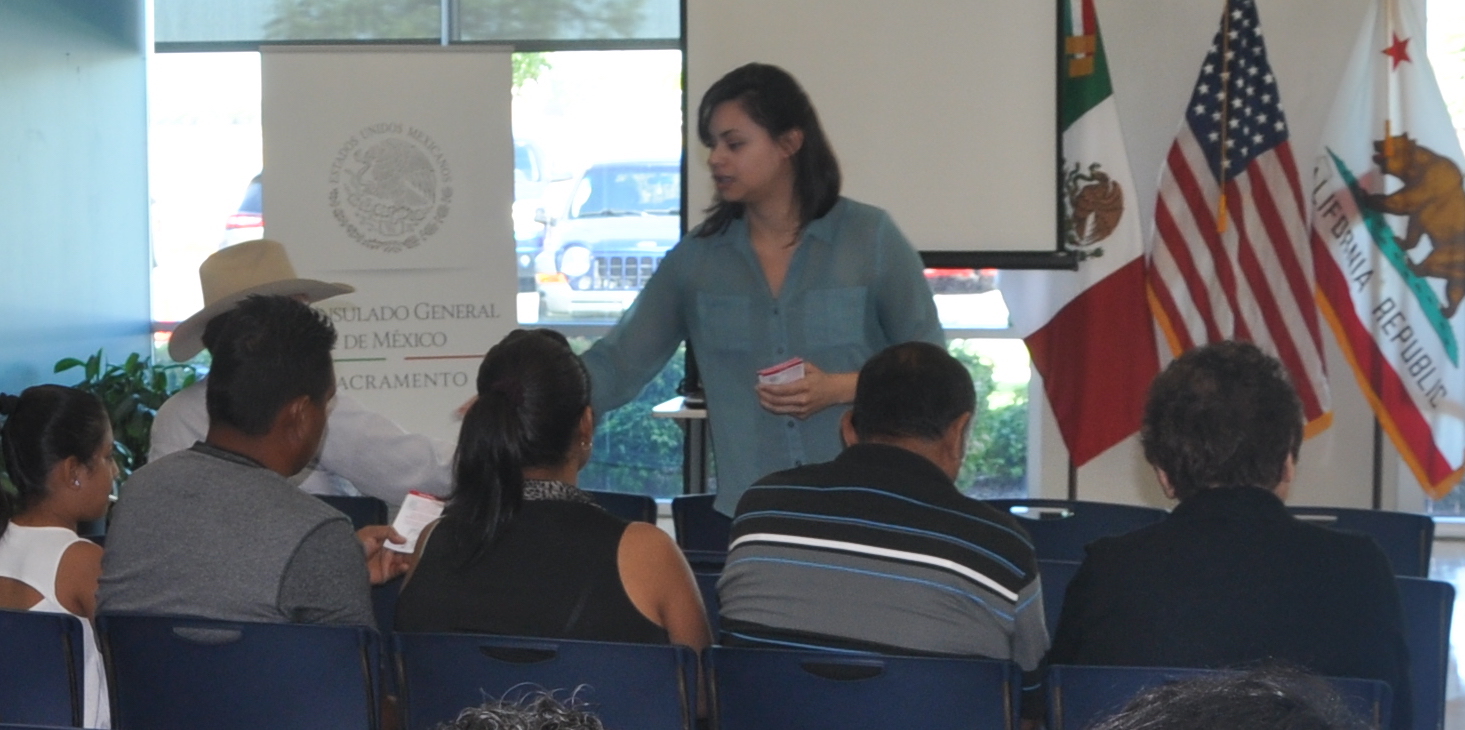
x=1399, y=50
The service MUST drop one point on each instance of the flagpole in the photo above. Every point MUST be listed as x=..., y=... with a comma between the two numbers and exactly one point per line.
x=1378, y=464
x=1072, y=481
x=1225, y=113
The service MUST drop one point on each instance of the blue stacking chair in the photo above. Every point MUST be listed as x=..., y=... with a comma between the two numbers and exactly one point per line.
x=1428, y=605
x=179, y=672
x=707, y=586
x=706, y=561
x=1055, y=575
x=1080, y=696
x=643, y=686
x=698, y=525
x=41, y=668
x=1061, y=528
x=363, y=511
x=629, y=507
x=1407, y=539
x=758, y=689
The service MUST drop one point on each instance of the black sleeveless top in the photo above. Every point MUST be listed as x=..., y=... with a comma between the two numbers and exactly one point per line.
x=551, y=573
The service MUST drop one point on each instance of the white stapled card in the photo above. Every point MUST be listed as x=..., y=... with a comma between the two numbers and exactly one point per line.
x=418, y=511
x=784, y=372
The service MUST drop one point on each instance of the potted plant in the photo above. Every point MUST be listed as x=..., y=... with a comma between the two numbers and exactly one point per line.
x=132, y=392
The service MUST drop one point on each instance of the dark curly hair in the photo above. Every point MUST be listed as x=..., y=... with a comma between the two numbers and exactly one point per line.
x=1222, y=415
x=772, y=98
x=1262, y=699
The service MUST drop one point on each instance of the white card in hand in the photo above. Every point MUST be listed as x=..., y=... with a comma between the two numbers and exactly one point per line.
x=418, y=511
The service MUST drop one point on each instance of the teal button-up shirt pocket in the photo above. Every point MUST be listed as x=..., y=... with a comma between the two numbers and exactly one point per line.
x=724, y=321
x=834, y=317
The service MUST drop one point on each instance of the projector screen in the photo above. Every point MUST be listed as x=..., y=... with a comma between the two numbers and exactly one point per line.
x=942, y=112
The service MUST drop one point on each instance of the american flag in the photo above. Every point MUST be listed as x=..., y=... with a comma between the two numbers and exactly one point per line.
x=1230, y=256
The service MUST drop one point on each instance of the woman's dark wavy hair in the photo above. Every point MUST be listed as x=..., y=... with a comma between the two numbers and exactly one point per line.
x=532, y=390
x=1222, y=415
x=44, y=426
x=775, y=101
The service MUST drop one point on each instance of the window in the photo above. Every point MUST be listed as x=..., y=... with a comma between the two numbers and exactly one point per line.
x=597, y=166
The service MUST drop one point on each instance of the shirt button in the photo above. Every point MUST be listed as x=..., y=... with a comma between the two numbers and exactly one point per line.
x=790, y=424
x=780, y=350
x=798, y=462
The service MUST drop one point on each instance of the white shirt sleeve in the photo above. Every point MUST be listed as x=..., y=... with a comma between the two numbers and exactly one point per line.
x=181, y=421
x=379, y=458
x=362, y=447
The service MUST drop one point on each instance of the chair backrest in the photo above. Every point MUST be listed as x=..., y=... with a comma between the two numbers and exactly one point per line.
x=41, y=668
x=644, y=686
x=706, y=561
x=1428, y=605
x=1407, y=539
x=1055, y=575
x=1061, y=528
x=1079, y=696
x=363, y=511
x=698, y=525
x=814, y=690
x=171, y=671
x=707, y=586
x=629, y=507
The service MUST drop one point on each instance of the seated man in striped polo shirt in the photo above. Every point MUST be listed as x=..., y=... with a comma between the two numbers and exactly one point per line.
x=877, y=550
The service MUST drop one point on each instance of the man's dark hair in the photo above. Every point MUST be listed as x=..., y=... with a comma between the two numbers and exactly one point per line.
x=911, y=390
x=269, y=351
x=1222, y=415
x=1264, y=699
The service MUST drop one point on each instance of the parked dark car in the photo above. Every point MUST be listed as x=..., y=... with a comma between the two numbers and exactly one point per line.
x=620, y=220
x=248, y=222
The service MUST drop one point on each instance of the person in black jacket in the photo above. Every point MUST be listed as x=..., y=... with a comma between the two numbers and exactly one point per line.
x=1230, y=579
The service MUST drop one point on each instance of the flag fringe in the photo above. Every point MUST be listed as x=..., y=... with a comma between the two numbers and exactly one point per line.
x=1435, y=490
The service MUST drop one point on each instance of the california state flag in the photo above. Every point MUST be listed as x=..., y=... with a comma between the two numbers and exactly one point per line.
x=1388, y=237
x=1089, y=331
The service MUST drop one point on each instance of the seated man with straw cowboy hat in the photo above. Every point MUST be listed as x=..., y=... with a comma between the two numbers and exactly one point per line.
x=363, y=452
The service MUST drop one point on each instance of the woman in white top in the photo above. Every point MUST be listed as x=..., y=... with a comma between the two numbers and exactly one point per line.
x=57, y=444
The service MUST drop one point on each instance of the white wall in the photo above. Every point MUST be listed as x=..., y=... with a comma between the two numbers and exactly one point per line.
x=1155, y=50
x=73, y=185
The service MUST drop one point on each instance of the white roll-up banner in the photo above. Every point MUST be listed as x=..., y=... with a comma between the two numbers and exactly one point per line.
x=391, y=168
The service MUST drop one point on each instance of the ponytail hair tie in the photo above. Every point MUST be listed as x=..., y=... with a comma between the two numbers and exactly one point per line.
x=511, y=389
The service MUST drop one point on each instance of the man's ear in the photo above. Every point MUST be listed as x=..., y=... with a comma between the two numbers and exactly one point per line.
x=1165, y=483
x=955, y=439
x=847, y=429
x=294, y=419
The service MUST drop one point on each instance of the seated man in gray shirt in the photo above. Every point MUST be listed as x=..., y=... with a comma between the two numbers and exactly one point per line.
x=217, y=531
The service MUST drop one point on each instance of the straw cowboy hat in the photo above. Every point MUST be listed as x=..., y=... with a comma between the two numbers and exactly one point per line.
x=230, y=275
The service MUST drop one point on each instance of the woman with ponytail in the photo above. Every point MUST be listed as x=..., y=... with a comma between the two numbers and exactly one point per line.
x=57, y=444
x=520, y=550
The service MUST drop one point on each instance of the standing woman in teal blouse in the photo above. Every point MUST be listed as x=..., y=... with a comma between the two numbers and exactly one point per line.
x=782, y=267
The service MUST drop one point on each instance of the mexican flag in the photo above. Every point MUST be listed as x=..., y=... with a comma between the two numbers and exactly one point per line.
x=1388, y=237
x=1089, y=331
